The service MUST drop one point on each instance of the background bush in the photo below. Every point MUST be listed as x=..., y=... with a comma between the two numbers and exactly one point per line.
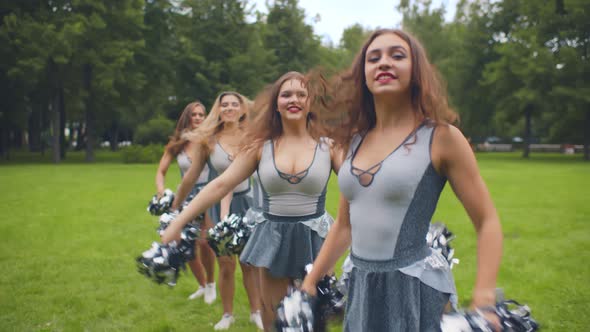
x=142, y=154
x=155, y=131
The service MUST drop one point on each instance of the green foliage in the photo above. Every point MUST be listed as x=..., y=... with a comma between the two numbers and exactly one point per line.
x=135, y=154
x=155, y=131
x=292, y=40
x=119, y=63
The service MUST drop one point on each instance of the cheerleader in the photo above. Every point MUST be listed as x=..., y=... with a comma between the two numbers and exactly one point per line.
x=203, y=265
x=218, y=140
x=402, y=149
x=293, y=164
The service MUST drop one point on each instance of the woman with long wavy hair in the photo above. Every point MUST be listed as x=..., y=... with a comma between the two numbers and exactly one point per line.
x=401, y=150
x=293, y=163
x=203, y=265
x=217, y=142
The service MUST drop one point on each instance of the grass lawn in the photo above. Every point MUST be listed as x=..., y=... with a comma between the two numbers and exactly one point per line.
x=70, y=234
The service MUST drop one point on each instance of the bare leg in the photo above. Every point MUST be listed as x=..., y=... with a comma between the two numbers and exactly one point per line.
x=207, y=254
x=227, y=270
x=273, y=290
x=197, y=267
x=250, y=281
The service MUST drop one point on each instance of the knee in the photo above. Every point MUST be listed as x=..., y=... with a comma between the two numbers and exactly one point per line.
x=226, y=269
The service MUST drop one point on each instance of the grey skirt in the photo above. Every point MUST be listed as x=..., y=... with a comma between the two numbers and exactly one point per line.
x=284, y=245
x=240, y=203
x=391, y=300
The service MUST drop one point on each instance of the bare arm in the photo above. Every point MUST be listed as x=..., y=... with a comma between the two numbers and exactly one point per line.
x=239, y=170
x=198, y=158
x=225, y=205
x=456, y=161
x=165, y=162
x=337, y=241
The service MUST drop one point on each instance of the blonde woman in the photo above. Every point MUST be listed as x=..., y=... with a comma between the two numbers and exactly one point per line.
x=217, y=142
x=293, y=164
x=203, y=265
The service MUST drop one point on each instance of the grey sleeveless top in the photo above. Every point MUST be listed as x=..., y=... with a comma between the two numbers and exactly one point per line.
x=220, y=160
x=391, y=210
x=257, y=193
x=184, y=163
x=289, y=195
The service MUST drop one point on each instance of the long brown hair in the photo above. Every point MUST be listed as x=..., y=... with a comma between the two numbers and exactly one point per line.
x=353, y=98
x=266, y=123
x=183, y=125
x=213, y=123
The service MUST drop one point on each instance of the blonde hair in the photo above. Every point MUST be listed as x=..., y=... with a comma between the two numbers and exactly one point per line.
x=213, y=123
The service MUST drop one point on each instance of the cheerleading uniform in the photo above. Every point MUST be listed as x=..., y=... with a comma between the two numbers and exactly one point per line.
x=398, y=283
x=184, y=163
x=295, y=220
x=255, y=214
x=219, y=160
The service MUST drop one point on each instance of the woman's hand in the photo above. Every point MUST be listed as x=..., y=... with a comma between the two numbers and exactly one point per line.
x=493, y=320
x=308, y=287
x=172, y=233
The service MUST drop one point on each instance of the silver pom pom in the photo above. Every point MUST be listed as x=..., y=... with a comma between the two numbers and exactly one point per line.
x=513, y=317
x=439, y=238
x=229, y=236
x=158, y=206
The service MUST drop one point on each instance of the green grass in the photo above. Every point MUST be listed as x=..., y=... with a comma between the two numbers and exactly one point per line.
x=70, y=234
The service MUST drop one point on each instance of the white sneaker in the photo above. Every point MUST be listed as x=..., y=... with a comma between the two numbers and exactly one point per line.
x=257, y=319
x=200, y=292
x=210, y=293
x=225, y=322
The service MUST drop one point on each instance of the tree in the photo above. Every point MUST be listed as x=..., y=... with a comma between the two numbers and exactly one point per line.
x=111, y=36
x=294, y=45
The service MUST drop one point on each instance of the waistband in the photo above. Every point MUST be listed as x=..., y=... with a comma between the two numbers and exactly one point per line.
x=403, y=259
x=275, y=218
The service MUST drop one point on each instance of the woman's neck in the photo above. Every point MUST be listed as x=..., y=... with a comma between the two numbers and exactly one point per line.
x=393, y=111
x=230, y=129
x=295, y=129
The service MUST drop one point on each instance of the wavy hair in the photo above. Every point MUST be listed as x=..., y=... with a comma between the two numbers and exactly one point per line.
x=213, y=123
x=266, y=123
x=176, y=142
x=353, y=102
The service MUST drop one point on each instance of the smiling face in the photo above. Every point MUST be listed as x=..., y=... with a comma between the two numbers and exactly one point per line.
x=197, y=116
x=388, y=65
x=292, y=101
x=230, y=108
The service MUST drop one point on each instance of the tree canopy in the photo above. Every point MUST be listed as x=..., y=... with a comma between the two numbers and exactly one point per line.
x=99, y=70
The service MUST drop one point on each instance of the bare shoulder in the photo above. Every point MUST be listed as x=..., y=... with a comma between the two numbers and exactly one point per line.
x=448, y=145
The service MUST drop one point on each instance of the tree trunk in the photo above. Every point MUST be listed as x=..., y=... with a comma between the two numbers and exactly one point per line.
x=55, y=128
x=527, y=131
x=114, y=137
x=62, y=122
x=587, y=137
x=3, y=145
x=52, y=77
x=35, y=124
x=80, y=136
x=89, y=114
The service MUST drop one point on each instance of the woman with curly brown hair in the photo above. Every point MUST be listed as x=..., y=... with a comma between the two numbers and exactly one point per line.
x=402, y=149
